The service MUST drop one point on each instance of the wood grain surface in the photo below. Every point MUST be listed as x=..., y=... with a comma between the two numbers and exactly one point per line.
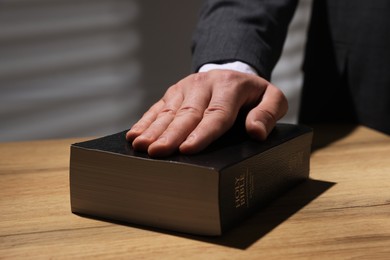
x=342, y=212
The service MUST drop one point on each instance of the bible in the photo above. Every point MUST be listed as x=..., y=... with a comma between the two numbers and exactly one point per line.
x=202, y=194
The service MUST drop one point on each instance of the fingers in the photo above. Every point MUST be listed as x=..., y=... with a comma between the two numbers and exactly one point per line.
x=217, y=118
x=146, y=120
x=186, y=119
x=213, y=125
x=202, y=107
x=263, y=117
x=155, y=121
x=168, y=123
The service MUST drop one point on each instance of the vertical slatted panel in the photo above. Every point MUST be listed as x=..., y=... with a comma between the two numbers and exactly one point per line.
x=67, y=68
x=287, y=74
x=90, y=67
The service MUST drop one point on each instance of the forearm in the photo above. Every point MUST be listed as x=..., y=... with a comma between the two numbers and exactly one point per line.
x=250, y=31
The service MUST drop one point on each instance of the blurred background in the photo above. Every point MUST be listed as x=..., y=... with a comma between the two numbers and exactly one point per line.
x=75, y=68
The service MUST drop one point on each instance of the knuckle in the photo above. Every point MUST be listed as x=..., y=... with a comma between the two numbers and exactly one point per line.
x=216, y=108
x=198, y=79
x=172, y=90
x=268, y=115
x=281, y=101
x=230, y=80
x=228, y=75
x=234, y=82
x=190, y=111
x=279, y=94
x=167, y=112
x=220, y=115
x=199, y=76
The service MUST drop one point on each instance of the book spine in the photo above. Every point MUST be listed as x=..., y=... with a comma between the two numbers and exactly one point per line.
x=251, y=184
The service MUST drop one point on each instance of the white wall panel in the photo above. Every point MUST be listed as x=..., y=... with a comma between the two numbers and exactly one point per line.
x=287, y=74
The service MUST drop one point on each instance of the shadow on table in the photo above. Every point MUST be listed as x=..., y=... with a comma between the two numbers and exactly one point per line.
x=268, y=218
x=258, y=225
x=326, y=134
x=278, y=211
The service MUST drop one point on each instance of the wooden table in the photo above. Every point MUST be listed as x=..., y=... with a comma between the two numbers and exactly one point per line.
x=342, y=212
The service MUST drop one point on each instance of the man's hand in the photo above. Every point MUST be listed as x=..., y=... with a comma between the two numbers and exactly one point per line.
x=203, y=106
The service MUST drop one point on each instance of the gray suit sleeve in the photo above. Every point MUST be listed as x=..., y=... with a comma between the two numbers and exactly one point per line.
x=251, y=31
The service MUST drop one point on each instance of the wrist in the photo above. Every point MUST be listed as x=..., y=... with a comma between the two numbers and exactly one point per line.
x=236, y=66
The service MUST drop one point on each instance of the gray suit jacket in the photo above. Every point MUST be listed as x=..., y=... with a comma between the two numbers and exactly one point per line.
x=347, y=59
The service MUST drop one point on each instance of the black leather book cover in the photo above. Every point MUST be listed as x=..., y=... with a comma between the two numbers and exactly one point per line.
x=205, y=193
x=231, y=148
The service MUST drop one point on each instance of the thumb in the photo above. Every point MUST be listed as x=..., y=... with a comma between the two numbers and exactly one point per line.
x=262, y=118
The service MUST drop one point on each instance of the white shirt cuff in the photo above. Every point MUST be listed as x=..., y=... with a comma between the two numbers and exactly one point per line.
x=236, y=66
